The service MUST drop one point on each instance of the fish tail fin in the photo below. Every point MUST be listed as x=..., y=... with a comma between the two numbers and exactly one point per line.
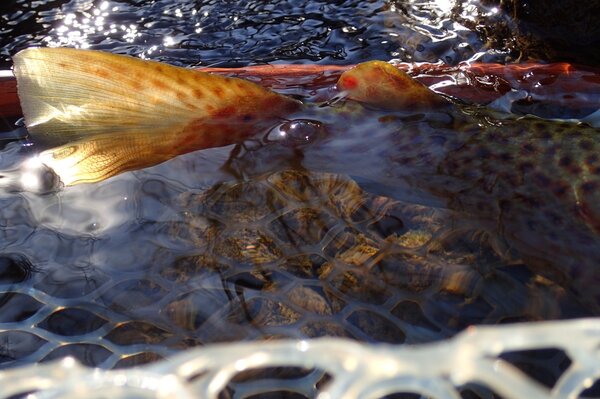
x=68, y=94
x=71, y=95
x=100, y=157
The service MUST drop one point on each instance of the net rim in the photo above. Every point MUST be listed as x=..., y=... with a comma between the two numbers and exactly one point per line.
x=359, y=370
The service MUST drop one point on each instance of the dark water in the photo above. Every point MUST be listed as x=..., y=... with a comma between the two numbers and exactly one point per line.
x=231, y=33
x=221, y=245
x=234, y=33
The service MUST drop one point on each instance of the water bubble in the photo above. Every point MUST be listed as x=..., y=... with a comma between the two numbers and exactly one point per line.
x=297, y=132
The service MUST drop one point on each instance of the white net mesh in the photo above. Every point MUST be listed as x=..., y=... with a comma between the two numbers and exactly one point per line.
x=339, y=368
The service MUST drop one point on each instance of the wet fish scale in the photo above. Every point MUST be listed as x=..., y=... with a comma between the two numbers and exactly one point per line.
x=526, y=180
x=544, y=192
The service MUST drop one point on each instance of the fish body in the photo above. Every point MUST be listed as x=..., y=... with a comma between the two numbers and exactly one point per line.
x=530, y=186
x=533, y=184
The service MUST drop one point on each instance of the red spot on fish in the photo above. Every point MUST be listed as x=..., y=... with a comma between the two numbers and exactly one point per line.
x=198, y=93
x=226, y=112
x=349, y=82
x=218, y=91
x=159, y=84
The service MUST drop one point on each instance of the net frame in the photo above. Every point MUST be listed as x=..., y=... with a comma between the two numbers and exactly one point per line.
x=357, y=370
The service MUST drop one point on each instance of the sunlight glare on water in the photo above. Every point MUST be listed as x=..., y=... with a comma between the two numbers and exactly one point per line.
x=240, y=33
x=444, y=5
x=76, y=28
x=30, y=178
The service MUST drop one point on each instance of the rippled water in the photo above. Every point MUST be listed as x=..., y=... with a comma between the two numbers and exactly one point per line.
x=220, y=244
x=241, y=33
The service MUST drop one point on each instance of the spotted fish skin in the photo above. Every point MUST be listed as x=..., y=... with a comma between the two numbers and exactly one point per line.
x=384, y=86
x=535, y=184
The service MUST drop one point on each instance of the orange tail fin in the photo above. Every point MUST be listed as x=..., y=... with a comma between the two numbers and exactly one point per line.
x=127, y=113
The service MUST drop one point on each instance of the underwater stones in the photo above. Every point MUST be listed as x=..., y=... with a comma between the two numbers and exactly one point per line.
x=293, y=254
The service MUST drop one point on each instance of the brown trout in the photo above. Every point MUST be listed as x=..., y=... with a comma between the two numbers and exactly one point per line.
x=531, y=185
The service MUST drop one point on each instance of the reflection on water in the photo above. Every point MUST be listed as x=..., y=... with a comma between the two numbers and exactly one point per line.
x=74, y=31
